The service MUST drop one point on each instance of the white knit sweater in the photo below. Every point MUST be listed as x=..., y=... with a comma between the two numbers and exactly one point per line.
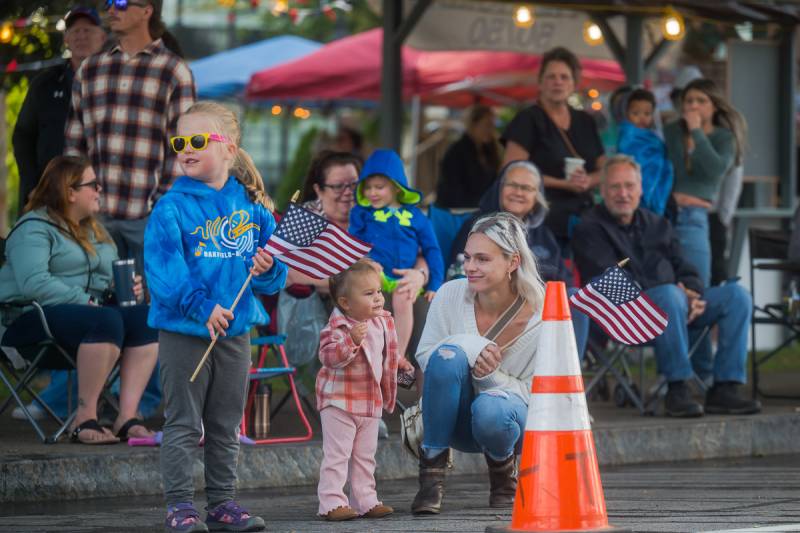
x=451, y=320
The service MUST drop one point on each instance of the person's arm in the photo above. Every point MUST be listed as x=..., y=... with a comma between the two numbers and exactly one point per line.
x=515, y=152
x=273, y=279
x=685, y=272
x=430, y=249
x=166, y=271
x=336, y=348
x=358, y=223
x=180, y=99
x=28, y=252
x=75, y=142
x=712, y=161
x=24, y=140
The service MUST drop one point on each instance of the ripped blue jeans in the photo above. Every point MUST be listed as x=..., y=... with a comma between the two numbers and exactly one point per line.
x=454, y=416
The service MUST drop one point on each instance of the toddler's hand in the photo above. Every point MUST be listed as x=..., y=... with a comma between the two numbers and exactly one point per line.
x=262, y=262
x=358, y=332
x=404, y=365
x=429, y=295
x=218, y=321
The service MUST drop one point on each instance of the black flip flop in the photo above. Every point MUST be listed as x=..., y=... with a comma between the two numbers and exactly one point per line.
x=122, y=434
x=92, y=424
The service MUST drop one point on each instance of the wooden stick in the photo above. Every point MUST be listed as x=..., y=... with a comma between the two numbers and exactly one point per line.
x=214, y=340
x=624, y=262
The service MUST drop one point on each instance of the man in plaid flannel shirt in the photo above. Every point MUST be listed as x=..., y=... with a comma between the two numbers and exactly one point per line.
x=125, y=105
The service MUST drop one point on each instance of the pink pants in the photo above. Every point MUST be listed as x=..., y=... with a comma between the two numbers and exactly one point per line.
x=347, y=440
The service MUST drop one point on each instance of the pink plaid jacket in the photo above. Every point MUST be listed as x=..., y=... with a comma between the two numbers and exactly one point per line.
x=346, y=379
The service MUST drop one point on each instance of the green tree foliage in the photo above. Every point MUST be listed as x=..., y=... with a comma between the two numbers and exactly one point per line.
x=295, y=174
x=320, y=27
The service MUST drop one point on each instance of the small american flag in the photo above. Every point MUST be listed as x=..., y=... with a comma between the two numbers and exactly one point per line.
x=615, y=302
x=310, y=244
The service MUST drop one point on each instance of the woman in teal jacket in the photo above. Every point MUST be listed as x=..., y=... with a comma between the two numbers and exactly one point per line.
x=58, y=255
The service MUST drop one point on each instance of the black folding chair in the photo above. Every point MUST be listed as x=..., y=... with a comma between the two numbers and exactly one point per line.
x=769, y=250
x=21, y=365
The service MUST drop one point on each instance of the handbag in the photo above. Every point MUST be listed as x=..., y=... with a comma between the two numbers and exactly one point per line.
x=301, y=320
x=411, y=429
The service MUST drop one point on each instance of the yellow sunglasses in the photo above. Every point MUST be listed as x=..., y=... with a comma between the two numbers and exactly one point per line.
x=198, y=141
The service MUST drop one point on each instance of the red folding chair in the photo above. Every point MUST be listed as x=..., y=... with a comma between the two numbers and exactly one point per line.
x=261, y=373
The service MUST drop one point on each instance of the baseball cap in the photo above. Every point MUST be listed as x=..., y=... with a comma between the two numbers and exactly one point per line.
x=82, y=11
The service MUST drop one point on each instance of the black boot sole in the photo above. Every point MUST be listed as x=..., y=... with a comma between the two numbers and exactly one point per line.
x=751, y=410
x=426, y=511
x=684, y=414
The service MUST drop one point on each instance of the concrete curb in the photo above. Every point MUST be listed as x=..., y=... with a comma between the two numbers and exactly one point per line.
x=136, y=472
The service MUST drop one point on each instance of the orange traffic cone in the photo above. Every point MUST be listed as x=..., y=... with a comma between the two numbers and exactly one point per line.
x=559, y=485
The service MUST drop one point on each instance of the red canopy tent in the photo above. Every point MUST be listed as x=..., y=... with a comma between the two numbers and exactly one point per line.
x=350, y=69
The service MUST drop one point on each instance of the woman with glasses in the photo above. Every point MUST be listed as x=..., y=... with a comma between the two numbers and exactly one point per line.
x=519, y=191
x=60, y=256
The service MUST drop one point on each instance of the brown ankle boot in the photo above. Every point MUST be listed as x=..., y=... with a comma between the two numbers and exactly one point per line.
x=502, y=481
x=431, y=484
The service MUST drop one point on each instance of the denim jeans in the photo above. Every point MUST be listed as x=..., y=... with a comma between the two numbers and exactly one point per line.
x=580, y=323
x=728, y=306
x=454, y=416
x=691, y=226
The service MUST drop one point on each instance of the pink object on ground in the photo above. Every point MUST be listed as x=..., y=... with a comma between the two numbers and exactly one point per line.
x=146, y=441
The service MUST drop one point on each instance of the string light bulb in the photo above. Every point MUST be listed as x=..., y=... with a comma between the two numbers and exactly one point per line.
x=524, y=16
x=593, y=93
x=277, y=110
x=592, y=33
x=6, y=32
x=672, y=25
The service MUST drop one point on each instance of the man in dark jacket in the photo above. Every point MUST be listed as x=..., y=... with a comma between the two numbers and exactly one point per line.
x=619, y=229
x=39, y=133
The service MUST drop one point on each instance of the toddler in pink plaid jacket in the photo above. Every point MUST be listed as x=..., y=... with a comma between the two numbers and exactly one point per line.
x=357, y=381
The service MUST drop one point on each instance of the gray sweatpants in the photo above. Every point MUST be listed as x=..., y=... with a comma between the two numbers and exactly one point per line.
x=217, y=398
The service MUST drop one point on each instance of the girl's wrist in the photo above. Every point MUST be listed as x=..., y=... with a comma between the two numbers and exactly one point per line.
x=424, y=275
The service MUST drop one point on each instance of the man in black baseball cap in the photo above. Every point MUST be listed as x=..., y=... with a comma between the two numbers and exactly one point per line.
x=78, y=12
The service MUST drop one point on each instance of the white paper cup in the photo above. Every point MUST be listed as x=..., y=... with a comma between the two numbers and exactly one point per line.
x=571, y=164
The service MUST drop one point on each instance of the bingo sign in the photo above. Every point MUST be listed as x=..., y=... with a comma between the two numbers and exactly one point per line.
x=471, y=25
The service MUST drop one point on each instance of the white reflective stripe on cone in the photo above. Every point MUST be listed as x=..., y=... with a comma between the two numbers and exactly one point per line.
x=558, y=412
x=557, y=353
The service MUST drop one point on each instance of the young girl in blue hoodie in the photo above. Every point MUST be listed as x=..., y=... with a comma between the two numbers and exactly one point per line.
x=202, y=239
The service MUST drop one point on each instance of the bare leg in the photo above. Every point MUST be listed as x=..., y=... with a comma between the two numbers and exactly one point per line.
x=135, y=370
x=95, y=361
x=403, y=312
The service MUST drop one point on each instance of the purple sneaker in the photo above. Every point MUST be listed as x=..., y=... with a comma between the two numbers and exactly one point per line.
x=184, y=517
x=230, y=517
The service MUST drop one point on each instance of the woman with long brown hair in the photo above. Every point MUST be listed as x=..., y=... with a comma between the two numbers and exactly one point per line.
x=703, y=146
x=60, y=256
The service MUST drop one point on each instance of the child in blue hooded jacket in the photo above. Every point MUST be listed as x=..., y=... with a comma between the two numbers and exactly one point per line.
x=386, y=216
x=202, y=239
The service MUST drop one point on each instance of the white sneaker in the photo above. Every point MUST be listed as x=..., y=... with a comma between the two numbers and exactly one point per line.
x=33, y=408
x=383, y=430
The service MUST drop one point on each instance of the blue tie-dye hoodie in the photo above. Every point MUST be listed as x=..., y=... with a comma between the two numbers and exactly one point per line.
x=198, y=249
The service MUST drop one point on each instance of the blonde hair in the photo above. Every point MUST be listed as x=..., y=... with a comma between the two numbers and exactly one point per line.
x=339, y=284
x=506, y=231
x=243, y=167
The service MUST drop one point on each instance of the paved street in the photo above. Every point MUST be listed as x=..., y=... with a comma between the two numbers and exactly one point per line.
x=707, y=496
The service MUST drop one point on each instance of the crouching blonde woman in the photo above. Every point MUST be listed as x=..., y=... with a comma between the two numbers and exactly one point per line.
x=477, y=352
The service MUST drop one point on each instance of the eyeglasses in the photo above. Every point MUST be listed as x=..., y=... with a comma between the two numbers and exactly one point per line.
x=339, y=188
x=123, y=5
x=198, y=141
x=520, y=188
x=95, y=184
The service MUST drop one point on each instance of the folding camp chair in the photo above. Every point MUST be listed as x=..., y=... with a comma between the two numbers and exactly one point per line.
x=274, y=343
x=769, y=250
x=616, y=360
x=21, y=364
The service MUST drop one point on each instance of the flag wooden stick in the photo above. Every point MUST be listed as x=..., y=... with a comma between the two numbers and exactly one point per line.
x=214, y=340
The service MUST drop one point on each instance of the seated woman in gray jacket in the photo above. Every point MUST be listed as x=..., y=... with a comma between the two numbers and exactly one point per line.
x=60, y=256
